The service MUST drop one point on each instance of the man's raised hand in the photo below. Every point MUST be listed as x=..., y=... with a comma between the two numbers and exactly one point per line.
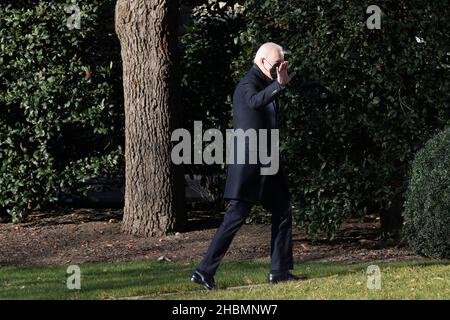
x=283, y=77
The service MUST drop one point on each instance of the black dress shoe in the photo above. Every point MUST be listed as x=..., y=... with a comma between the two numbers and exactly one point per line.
x=203, y=279
x=284, y=276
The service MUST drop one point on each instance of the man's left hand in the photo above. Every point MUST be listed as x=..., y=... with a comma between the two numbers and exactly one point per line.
x=283, y=77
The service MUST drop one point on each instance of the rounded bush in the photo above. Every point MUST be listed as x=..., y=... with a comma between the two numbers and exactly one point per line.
x=427, y=208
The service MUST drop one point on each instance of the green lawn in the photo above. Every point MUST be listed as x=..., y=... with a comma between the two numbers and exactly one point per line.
x=404, y=280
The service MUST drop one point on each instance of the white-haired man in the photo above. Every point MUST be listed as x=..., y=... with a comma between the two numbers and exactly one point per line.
x=255, y=106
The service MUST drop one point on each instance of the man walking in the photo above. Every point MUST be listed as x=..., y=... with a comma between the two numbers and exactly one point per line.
x=255, y=106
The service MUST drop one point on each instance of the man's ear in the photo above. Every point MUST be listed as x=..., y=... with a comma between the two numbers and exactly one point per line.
x=263, y=64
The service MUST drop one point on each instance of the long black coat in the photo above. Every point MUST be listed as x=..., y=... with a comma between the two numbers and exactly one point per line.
x=255, y=105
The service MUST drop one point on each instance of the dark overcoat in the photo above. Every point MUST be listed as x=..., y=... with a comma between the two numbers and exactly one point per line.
x=255, y=106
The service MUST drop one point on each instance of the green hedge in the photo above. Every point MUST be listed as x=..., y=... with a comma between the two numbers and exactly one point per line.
x=208, y=68
x=427, y=209
x=349, y=154
x=60, y=101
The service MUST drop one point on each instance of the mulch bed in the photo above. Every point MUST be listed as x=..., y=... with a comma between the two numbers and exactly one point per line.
x=75, y=236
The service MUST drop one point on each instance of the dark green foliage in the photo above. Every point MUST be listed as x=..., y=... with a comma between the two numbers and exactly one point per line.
x=348, y=151
x=208, y=79
x=60, y=101
x=427, y=207
x=349, y=154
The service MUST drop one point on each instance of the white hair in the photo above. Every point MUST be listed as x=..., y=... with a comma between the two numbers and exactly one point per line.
x=266, y=49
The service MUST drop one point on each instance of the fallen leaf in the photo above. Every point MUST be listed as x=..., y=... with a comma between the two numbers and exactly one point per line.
x=248, y=281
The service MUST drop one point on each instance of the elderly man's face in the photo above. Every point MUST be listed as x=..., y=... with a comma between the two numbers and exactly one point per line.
x=273, y=60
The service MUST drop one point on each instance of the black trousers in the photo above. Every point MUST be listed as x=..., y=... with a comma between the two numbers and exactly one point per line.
x=278, y=204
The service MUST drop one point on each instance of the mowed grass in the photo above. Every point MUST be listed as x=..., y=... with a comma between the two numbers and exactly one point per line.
x=425, y=279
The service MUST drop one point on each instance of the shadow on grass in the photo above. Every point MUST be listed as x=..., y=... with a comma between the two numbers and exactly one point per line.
x=172, y=276
x=153, y=279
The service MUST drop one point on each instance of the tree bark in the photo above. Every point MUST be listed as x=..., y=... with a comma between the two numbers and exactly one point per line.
x=154, y=198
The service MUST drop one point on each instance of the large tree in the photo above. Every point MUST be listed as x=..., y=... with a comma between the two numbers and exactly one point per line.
x=147, y=30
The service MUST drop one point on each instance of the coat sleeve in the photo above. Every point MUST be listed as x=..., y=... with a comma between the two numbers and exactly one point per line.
x=256, y=100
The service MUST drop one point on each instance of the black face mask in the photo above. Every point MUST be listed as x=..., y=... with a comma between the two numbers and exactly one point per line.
x=273, y=70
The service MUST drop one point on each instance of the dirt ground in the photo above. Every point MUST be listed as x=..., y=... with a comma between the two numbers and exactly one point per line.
x=75, y=236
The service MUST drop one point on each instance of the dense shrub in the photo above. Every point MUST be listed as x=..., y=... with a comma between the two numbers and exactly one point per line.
x=427, y=207
x=208, y=77
x=60, y=101
x=349, y=154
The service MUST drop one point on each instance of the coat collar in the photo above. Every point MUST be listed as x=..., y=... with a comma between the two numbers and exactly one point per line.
x=257, y=71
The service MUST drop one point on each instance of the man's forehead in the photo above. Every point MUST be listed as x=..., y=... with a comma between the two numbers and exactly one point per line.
x=276, y=55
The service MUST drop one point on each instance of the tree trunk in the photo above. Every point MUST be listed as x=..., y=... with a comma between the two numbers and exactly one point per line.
x=154, y=198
